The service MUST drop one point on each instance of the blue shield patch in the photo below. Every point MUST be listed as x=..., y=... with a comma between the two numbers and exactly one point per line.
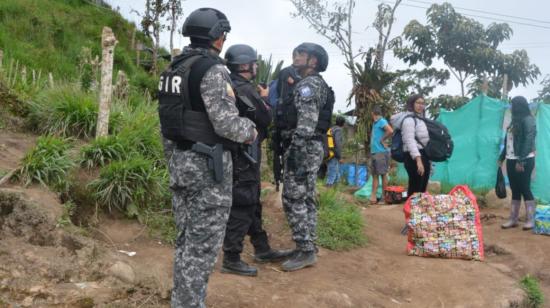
x=305, y=91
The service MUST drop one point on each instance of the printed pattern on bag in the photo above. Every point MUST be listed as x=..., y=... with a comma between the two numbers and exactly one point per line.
x=445, y=226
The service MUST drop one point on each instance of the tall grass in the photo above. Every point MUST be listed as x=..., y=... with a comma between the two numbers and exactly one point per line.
x=341, y=225
x=68, y=111
x=47, y=163
x=102, y=151
x=129, y=185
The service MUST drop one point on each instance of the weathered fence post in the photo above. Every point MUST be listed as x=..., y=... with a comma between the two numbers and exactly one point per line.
x=50, y=79
x=1, y=59
x=108, y=42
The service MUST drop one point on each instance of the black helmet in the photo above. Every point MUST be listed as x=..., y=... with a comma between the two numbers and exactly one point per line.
x=315, y=50
x=240, y=54
x=206, y=23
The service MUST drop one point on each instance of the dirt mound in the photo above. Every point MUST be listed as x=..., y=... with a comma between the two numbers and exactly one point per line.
x=42, y=264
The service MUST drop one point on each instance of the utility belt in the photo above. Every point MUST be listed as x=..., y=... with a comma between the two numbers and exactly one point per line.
x=214, y=154
x=317, y=137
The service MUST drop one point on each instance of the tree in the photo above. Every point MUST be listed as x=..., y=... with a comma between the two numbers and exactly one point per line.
x=446, y=102
x=334, y=25
x=465, y=46
x=151, y=25
x=175, y=11
x=369, y=79
x=383, y=24
x=544, y=93
x=414, y=81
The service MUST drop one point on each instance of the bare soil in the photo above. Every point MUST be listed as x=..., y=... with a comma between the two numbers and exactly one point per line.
x=43, y=264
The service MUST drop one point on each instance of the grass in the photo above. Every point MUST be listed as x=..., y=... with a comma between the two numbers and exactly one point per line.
x=340, y=224
x=535, y=297
x=49, y=36
x=47, y=163
x=129, y=185
x=102, y=151
x=68, y=111
x=68, y=210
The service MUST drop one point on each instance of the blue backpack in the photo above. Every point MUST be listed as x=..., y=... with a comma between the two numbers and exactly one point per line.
x=273, y=97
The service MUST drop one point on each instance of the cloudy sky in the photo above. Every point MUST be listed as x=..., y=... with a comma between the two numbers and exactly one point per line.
x=268, y=26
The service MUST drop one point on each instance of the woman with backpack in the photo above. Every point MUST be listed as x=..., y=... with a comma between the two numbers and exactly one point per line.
x=519, y=152
x=415, y=136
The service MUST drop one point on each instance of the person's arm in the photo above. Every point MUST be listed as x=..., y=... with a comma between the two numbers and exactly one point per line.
x=219, y=102
x=502, y=155
x=338, y=143
x=388, y=132
x=408, y=131
x=529, y=127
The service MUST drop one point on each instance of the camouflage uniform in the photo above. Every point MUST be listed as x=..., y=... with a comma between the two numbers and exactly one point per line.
x=201, y=206
x=302, y=160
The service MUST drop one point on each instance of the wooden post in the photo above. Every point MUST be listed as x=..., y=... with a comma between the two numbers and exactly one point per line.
x=50, y=80
x=1, y=59
x=33, y=77
x=108, y=42
x=133, y=42
x=24, y=75
x=505, y=87
x=138, y=51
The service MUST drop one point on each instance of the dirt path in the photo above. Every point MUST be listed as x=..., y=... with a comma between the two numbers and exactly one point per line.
x=41, y=265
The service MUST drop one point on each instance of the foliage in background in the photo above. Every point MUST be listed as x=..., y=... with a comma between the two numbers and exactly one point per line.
x=47, y=163
x=467, y=48
x=267, y=71
x=341, y=225
x=544, y=93
x=49, y=35
x=414, y=81
x=535, y=297
x=446, y=102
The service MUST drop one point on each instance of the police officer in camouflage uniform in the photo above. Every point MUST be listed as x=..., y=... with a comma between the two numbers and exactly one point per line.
x=198, y=113
x=246, y=211
x=308, y=117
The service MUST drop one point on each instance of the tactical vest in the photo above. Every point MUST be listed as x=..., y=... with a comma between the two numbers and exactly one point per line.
x=287, y=114
x=182, y=114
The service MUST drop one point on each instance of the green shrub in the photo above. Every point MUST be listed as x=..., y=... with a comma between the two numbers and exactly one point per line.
x=102, y=151
x=68, y=111
x=129, y=185
x=535, y=297
x=64, y=111
x=141, y=133
x=47, y=163
x=341, y=225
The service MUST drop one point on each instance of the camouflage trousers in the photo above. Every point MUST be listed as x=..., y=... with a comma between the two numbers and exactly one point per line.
x=300, y=194
x=201, y=209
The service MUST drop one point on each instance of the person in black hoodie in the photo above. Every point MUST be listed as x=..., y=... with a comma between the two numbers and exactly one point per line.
x=246, y=211
x=519, y=152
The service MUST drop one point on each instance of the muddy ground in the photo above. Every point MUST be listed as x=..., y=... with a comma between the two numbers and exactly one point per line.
x=45, y=263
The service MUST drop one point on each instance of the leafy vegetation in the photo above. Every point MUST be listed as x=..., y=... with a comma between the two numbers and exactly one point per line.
x=49, y=35
x=535, y=297
x=129, y=185
x=67, y=111
x=341, y=225
x=47, y=163
x=102, y=151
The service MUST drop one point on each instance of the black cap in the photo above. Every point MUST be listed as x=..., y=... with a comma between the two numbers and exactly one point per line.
x=206, y=23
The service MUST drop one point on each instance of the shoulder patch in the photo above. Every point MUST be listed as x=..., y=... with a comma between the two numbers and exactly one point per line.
x=305, y=91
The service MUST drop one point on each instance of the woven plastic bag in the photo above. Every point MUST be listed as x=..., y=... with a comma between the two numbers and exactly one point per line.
x=542, y=220
x=444, y=226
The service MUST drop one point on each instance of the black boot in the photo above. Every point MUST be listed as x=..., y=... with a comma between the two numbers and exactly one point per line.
x=238, y=268
x=273, y=255
x=300, y=260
